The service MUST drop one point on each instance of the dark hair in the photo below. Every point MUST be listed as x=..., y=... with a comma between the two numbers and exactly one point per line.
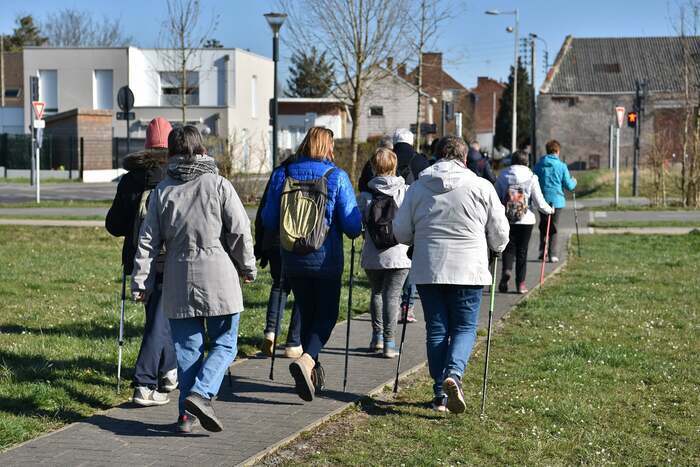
x=185, y=141
x=520, y=158
x=553, y=146
x=451, y=147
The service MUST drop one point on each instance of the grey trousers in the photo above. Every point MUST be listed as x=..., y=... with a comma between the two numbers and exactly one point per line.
x=386, y=285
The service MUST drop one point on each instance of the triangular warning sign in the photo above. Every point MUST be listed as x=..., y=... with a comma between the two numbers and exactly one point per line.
x=38, y=109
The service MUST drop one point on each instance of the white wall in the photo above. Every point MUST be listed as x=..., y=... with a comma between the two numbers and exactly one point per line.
x=399, y=101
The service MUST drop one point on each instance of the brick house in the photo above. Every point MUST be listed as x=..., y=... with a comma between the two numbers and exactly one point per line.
x=11, y=114
x=487, y=102
x=591, y=76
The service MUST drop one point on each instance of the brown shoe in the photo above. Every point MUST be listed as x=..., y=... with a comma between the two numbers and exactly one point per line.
x=301, y=370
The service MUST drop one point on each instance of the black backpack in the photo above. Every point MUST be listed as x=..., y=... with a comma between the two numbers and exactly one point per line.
x=381, y=213
x=406, y=171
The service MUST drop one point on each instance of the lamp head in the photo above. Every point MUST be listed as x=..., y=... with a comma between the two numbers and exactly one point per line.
x=509, y=29
x=275, y=20
x=493, y=12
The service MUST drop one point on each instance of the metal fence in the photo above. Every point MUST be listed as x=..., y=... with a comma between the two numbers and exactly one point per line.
x=57, y=152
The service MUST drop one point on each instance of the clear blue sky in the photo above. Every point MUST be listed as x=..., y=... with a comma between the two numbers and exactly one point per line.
x=474, y=44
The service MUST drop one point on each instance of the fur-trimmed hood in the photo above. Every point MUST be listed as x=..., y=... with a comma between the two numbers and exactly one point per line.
x=146, y=159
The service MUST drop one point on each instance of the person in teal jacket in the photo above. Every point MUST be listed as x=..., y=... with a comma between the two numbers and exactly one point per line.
x=554, y=178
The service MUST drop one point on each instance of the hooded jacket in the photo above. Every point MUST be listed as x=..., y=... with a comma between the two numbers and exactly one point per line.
x=145, y=170
x=206, y=233
x=342, y=216
x=554, y=179
x=407, y=161
x=477, y=163
x=452, y=218
x=391, y=258
x=522, y=176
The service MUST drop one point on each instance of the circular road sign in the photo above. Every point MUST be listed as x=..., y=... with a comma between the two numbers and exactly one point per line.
x=125, y=98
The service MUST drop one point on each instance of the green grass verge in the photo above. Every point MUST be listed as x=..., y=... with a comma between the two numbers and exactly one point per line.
x=634, y=207
x=59, y=324
x=78, y=203
x=600, y=367
x=40, y=217
x=600, y=183
x=648, y=223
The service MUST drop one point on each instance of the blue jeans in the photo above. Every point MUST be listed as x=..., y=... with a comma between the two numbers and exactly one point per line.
x=409, y=289
x=451, y=318
x=281, y=287
x=157, y=355
x=196, y=373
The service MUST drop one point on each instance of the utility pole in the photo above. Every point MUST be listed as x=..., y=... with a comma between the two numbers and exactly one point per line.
x=533, y=101
x=2, y=70
x=639, y=98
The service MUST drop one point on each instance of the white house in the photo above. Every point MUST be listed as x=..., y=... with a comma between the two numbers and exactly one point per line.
x=298, y=114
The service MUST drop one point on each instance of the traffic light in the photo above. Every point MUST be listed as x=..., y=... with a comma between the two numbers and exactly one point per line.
x=632, y=119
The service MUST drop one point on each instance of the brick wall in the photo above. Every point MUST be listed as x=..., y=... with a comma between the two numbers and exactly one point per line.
x=485, y=91
x=94, y=126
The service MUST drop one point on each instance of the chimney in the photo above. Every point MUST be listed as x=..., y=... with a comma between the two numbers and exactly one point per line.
x=390, y=63
x=433, y=59
x=401, y=70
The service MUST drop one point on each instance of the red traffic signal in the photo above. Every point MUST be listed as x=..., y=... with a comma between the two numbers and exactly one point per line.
x=632, y=119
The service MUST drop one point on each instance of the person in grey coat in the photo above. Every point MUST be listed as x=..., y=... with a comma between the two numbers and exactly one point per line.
x=199, y=219
x=452, y=218
x=386, y=269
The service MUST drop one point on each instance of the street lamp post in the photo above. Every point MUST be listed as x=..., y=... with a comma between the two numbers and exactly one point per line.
x=275, y=20
x=514, y=130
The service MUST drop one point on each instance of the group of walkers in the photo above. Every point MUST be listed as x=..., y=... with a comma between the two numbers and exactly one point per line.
x=429, y=224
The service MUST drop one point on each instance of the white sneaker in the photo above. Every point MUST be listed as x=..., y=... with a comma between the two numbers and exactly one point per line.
x=294, y=351
x=553, y=259
x=146, y=397
x=168, y=382
x=268, y=343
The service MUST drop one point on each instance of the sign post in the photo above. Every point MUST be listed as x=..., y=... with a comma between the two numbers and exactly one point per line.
x=620, y=114
x=39, y=124
x=125, y=100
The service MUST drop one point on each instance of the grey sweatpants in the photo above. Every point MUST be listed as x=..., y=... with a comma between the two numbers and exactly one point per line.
x=386, y=285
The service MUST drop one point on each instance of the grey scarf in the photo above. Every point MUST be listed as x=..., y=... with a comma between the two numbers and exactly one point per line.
x=185, y=170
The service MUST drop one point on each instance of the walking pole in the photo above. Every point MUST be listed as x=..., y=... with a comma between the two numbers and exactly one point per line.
x=578, y=238
x=347, y=333
x=398, y=363
x=488, y=336
x=277, y=326
x=121, y=333
x=546, y=248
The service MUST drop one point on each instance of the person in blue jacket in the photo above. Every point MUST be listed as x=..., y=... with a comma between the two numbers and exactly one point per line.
x=315, y=277
x=554, y=178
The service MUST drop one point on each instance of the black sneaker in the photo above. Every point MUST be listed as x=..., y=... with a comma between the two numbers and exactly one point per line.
x=202, y=408
x=318, y=377
x=439, y=404
x=186, y=423
x=455, y=397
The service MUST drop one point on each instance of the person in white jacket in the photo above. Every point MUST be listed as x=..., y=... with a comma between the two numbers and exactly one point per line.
x=452, y=218
x=519, y=190
x=386, y=268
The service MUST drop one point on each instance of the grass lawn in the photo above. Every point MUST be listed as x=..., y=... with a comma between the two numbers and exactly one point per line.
x=78, y=203
x=599, y=367
x=52, y=217
x=600, y=183
x=647, y=223
x=59, y=324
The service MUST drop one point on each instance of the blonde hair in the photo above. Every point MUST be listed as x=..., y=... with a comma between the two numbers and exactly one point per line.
x=317, y=144
x=384, y=162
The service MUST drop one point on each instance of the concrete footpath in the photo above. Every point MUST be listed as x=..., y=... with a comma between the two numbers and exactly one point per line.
x=22, y=192
x=258, y=414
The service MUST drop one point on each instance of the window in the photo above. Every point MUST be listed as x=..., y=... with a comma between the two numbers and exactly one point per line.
x=12, y=92
x=376, y=111
x=254, y=97
x=606, y=67
x=170, y=88
x=48, y=90
x=102, y=89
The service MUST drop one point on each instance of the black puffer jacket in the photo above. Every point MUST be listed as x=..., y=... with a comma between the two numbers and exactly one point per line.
x=407, y=161
x=146, y=169
x=480, y=165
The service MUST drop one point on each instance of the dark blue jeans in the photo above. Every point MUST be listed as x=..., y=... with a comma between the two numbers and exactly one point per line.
x=451, y=318
x=278, y=301
x=157, y=354
x=319, y=302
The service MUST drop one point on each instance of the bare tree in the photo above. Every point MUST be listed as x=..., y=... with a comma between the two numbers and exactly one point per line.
x=358, y=36
x=658, y=160
x=71, y=27
x=182, y=37
x=426, y=19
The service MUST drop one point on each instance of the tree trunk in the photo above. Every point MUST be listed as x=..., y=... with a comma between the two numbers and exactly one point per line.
x=183, y=87
x=355, y=135
x=419, y=85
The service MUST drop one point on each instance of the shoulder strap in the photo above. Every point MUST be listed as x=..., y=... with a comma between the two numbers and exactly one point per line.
x=328, y=172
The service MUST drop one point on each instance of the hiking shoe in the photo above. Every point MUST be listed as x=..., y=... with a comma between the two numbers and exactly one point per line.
x=301, y=370
x=147, y=397
x=268, y=343
x=389, y=349
x=293, y=351
x=186, y=423
x=522, y=288
x=439, y=404
x=407, y=316
x=318, y=377
x=455, y=397
x=203, y=409
x=168, y=382
x=503, y=283
x=554, y=259
x=377, y=343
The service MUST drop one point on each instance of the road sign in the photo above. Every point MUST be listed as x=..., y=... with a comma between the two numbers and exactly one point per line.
x=620, y=112
x=38, y=107
x=39, y=123
x=126, y=116
x=125, y=98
